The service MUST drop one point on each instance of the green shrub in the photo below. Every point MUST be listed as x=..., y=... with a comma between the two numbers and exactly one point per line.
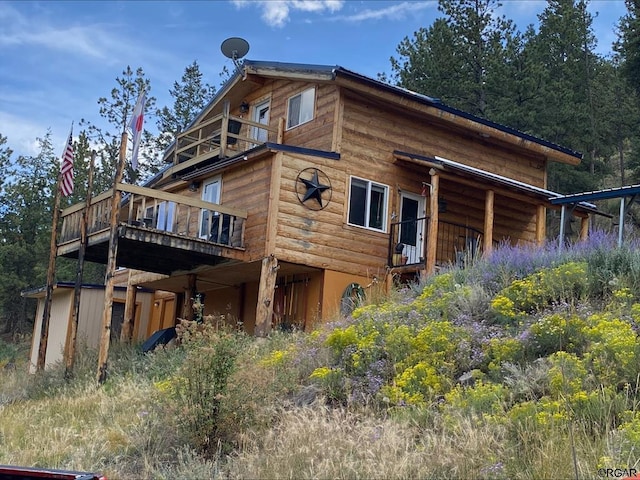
x=194, y=394
x=565, y=283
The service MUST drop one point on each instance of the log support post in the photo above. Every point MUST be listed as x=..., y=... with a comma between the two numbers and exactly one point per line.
x=189, y=296
x=266, y=291
x=129, y=311
x=584, y=228
x=432, y=234
x=487, y=246
x=541, y=225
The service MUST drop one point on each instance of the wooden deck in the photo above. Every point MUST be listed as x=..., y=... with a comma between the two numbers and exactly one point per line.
x=157, y=232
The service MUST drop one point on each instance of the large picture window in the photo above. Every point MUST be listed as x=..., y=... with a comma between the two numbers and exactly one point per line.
x=368, y=204
x=300, y=108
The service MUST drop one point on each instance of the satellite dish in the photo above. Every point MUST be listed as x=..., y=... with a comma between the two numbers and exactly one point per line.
x=235, y=48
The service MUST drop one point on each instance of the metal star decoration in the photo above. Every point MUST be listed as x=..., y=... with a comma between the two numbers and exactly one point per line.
x=314, y=188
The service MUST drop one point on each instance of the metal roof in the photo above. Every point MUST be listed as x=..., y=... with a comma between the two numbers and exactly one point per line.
x=597, y=195
x=331, y=71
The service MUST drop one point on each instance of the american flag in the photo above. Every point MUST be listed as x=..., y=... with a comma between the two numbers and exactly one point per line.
x=66, y=172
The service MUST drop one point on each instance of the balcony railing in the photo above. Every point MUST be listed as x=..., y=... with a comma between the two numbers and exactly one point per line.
x=222, y=135
x=160, y=212
x=408, y=242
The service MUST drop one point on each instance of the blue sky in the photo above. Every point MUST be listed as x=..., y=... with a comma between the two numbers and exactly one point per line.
x=58, y=57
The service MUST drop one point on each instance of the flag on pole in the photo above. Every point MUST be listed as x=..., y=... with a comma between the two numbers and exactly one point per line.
x=66, y=170
x=136, y=128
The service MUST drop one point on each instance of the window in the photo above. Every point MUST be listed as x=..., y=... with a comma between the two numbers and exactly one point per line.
x=300, y=109
x=368, y=204
x=210, y=193
x=162, y=216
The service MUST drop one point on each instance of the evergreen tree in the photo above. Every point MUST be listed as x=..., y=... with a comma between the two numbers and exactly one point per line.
x=455, y=59
x=25, y=226
x=190, y=96
x=565, y=114
x=117, y=110
x=627, y=48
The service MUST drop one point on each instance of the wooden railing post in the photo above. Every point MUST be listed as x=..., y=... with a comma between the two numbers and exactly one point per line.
x=224, y=129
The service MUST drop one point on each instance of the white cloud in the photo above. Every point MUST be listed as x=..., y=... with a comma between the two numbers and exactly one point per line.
x=398, y=11
x=21, y=134
x=89, y=40
x=276, y=13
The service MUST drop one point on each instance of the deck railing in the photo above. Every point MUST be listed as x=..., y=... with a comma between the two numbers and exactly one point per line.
x=160, y=212
x=222, y=135
x=408, y=242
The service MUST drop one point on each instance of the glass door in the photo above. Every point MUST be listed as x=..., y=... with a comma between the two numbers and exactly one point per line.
x=210, y=193
x=412, y=227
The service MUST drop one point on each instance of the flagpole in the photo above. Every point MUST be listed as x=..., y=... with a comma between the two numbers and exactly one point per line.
x=51, y=270
x=72, y=329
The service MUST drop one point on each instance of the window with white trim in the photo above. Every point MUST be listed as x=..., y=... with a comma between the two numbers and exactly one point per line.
x=300, y=108
x=368, y=204
x=210, y=193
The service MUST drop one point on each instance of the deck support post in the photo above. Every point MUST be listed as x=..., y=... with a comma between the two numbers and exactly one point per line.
x=129, y=310
x=432, y=233
x=487, y=246
x=266, y=291
x=72, y=327
x=189, y=296
x=563, y=216
x=51, y=270
x=105, y=335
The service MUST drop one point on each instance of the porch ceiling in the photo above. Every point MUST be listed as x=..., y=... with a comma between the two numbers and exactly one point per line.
x=223, y=275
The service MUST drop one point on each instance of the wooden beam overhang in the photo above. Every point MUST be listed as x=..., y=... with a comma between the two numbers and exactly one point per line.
x=290, y=71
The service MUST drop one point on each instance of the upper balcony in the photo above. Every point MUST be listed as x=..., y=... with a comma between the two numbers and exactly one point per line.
x=218, y=137
x=157, y=231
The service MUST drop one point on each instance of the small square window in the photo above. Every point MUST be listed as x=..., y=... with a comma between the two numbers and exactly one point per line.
x=300, y=108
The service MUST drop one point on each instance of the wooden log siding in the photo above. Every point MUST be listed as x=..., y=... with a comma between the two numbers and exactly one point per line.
x=371, y=132
x=322, y=238
x=318, y=133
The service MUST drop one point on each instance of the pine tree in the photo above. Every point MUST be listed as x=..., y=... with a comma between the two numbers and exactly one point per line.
x=190, y=96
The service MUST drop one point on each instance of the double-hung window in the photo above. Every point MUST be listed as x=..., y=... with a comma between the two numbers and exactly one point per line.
x=300, y=108
x=368, y=204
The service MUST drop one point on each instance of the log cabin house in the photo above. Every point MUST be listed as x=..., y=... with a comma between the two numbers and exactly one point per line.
x=299, y=186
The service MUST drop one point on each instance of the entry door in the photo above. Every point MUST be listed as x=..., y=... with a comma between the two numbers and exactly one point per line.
x=412, y=226
x=261, y=115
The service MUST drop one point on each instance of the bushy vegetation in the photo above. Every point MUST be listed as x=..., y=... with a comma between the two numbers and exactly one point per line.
x=525, y=364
